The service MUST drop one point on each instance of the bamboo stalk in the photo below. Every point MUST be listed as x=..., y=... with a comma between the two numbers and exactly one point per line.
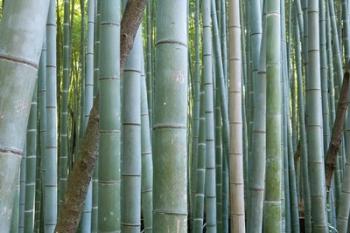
x=170, y=118
x=273, y=194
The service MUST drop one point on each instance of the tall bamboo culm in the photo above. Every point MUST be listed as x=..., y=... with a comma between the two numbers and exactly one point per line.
x=94, y=214
x=131, y=137
x=18, y=73
x=110, y=122
x=210, y=181
x=42, y=136
x=147, y=163
x=63, y=155
x=236, y=122
x=50, y=157
x=198, y=213
x=258, y=159
x=31, y=161
x=272, y=206
x=170, y=118
x=314, y=123
x=86, y=218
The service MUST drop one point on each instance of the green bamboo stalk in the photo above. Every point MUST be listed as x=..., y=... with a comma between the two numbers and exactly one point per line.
x=170, y=118
x=149, y=41
x=236, y=126
x=82, y=69
x=42, y=137
x=198, y=216
x=292, y=204
x=286, y=214
x=50, y=160
x=247, y=146
x=86, y=217
x=222, y=84
x=225, y=195
x=272, y=208
x=299, y=14
x=331, y=97
x=22, y=194
x=302, y=129
x=338, y=57
x=314, y=123
x=131, y=147
x=218, y=8
x=147, y=163
x=15, y=213
x=218, y=70
x=218, y=157
x=31, y=161
x=16, y=63
x=109, y=148
x=210, y=182
x=94, y=214
x=346, y=43
x=63, y=153
x=324, y=74
x=258, y=159
x=293, y=90
x=249, y=84
x=255, y=26
x=346, y=29
x=295, y=227
x=224, y=37
x=196, y=105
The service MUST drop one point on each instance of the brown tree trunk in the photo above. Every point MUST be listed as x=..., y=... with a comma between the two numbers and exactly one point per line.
x=337, y=128
x=80, y=176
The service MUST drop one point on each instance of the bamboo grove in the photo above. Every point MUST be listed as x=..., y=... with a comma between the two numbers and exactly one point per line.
x=184, y=116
